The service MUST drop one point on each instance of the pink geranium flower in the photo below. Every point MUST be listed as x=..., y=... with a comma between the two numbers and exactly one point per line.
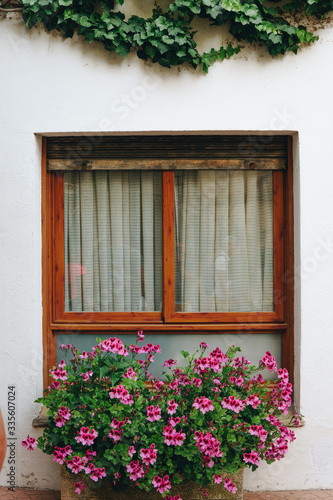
x=217, y=479
x=85, y=436
x=203, y=404
x=172, y=407
x=153, y=413
x=79, y=487
x=140, y=336
x=229, y=486
x=169, y=363
x=29, y=443
x=161, y=484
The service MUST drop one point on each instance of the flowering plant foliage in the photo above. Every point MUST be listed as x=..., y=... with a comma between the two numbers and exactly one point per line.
x=214, y=416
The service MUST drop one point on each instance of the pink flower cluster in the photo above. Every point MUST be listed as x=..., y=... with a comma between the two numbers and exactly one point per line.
x=208, y=446
x=203, y=345
x=79, y=487
x=269, y=362
x=196, y=382
x=182, y=379
x=176, y=497
x=286, y=390
x=131, y=451
x=172, y=407
x=252, y=458
x=203, y=404
x=148, y=455
x=161, y=484
x=130, y=374
x=60, y=373
x=113, y=345
x=231, y=403
x=97, y=473
x=252, y=400
x=281, y=398
x=116, y=432
x=135, y=469
x=120, y=392
x=279, y=448
x=169, y=363
x=146, y=349
x=63, y=415
x=140, y=336
x=213, y=362
x=229, y=486
x=29, y=443
x=238, y=381
x=172, y=437
x=60, y=454
x=85, y=436
x=86, y=376
x=257, y=430
x=241, y=363
x=75, y=465
x=158, y=384
x=153, y=413
x=173, y=421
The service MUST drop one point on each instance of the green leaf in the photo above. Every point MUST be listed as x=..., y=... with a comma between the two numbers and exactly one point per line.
x=103, y=371
x=84, y=21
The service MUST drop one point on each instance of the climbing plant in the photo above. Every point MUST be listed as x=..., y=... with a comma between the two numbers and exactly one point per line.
x=168, y=37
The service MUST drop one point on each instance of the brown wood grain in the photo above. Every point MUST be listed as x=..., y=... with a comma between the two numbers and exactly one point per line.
x=169, y=164
x=80, y=148
x=172, y=328
x=288, y=346
x=168, y=246
x=58, y=244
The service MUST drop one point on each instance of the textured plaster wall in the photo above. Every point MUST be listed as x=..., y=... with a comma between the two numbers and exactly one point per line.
x=51, y=86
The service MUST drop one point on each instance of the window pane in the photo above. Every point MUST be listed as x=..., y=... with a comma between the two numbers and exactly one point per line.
x=113, y=241
x=224, y=241
x=253, y=348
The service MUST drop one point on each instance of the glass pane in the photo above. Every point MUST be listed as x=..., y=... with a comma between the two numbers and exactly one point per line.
x=253, y=346
x=113, y=241
x=224, y=241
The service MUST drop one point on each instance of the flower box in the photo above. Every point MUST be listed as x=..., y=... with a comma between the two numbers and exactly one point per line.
x=190, y=491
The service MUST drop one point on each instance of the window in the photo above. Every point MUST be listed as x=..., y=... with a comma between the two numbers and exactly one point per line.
x=170, y=234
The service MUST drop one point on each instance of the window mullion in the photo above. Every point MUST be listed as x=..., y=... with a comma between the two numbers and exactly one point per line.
x=168, y=245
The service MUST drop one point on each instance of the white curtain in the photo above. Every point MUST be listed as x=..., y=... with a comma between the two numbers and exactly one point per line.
x=224, y=241
x=113, y=241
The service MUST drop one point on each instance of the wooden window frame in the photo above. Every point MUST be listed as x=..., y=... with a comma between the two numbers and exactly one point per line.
x=56, y=320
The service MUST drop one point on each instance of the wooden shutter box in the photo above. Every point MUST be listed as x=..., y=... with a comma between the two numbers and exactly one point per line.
x=162, y=152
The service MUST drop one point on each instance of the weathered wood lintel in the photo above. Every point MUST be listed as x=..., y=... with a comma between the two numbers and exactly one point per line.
x=169, y=164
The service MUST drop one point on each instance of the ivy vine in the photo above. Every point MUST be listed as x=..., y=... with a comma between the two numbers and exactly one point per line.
x=167, y=37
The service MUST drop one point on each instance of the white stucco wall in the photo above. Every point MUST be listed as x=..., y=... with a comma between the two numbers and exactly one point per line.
x=51, y=86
